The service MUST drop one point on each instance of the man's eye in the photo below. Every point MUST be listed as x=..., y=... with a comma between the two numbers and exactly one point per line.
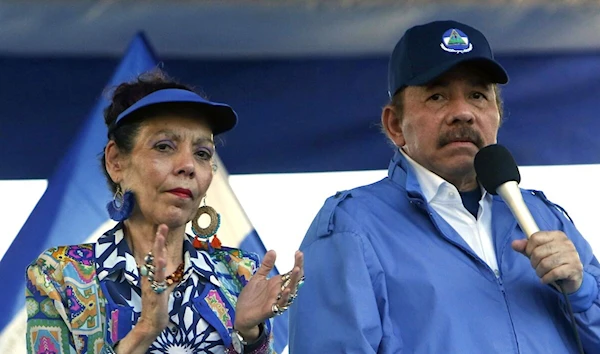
x=479, y=95
x=204, y=154
x=435, y=97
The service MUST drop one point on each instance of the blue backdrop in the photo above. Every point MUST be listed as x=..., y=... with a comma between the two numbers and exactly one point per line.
x=298, y=115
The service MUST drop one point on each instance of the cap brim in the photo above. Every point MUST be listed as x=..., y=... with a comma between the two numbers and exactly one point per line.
x=492, y=68
x=220, y=117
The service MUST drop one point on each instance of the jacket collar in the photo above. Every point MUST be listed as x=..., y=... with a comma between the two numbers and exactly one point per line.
x=115, y=260
x=401, y=173
x=199, y=261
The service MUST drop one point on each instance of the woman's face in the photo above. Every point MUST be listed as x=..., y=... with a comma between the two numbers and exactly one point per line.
x=169, y=169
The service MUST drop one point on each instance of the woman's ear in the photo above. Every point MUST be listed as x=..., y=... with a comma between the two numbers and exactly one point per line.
x=114, y=161
x=391, y=121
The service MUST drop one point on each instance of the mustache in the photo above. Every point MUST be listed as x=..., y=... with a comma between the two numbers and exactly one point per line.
x=461, y=133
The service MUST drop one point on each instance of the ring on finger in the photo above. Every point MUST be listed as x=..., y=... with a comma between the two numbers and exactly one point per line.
x=285, y=284
x=275, y=309
x=301, y=282
x=158, y=287
x=147, y=269
x=292, y=296
x=278, y=310
x=298, y=286
x=291, y=299
x=149, y=258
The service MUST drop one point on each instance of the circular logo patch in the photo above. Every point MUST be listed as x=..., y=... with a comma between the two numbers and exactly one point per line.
x=456, y=41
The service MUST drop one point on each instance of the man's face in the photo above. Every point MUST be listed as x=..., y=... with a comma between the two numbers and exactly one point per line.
x=446, y=122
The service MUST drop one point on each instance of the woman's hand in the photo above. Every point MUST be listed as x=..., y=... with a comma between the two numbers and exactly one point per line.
x=155, y=307
x=256, y=301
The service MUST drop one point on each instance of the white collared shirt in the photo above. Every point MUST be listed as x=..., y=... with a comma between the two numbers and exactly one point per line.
x=445, y=199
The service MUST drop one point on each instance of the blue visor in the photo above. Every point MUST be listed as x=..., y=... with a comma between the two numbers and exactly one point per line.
x=219, y=116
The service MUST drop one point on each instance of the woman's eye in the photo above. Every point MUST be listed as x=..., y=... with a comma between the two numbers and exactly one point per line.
x=163, y=147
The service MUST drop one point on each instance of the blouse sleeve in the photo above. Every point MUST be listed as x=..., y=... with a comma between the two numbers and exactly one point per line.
x=243, y=265
x=48, y=329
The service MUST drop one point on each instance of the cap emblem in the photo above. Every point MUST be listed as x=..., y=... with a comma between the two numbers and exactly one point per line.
x=456, y=41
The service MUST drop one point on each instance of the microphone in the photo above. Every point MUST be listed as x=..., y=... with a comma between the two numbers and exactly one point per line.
x=498, y=173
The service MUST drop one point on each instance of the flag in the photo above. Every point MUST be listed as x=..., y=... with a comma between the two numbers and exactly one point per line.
x=237, y=231
x=73, y=206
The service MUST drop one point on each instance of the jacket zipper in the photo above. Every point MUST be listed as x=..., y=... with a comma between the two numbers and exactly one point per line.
x=512, y=325
x=498, y=278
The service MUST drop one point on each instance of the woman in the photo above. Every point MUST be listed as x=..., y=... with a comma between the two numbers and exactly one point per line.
x=145, y=285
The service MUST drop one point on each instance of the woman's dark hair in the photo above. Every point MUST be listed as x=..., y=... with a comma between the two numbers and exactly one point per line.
x=125, y=95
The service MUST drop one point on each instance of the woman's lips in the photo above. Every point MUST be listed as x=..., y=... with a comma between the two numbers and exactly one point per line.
x=181, y=192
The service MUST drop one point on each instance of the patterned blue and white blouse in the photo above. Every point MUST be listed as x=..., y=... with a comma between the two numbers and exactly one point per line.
x=95, y=298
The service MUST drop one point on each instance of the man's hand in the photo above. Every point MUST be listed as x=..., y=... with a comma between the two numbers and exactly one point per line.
x=554, y=257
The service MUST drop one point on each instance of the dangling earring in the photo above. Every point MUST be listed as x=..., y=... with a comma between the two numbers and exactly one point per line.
x=203, y=235
x=121, y=206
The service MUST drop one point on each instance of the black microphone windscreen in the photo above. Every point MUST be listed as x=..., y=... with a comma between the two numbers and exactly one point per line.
x=495, y=166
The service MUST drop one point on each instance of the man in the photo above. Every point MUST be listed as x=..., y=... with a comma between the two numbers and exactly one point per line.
x=426, y=261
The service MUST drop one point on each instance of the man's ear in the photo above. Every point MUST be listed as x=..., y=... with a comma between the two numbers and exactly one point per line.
x=391, y=123
x=114, y=161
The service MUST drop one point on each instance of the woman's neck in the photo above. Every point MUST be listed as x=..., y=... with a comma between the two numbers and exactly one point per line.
x=140, y=237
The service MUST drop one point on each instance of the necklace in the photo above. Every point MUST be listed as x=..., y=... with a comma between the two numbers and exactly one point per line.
x=176, y=276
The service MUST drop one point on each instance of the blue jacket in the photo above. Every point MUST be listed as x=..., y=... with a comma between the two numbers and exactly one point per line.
x=386, y=274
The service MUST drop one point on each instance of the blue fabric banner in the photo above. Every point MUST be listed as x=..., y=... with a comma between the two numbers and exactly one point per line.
x=302, y=115
x=73, y=206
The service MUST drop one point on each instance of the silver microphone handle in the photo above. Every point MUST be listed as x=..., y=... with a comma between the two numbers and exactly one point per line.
x=511, y=194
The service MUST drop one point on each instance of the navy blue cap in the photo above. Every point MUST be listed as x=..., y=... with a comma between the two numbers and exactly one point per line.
x=427, y=51
x=220, y=116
